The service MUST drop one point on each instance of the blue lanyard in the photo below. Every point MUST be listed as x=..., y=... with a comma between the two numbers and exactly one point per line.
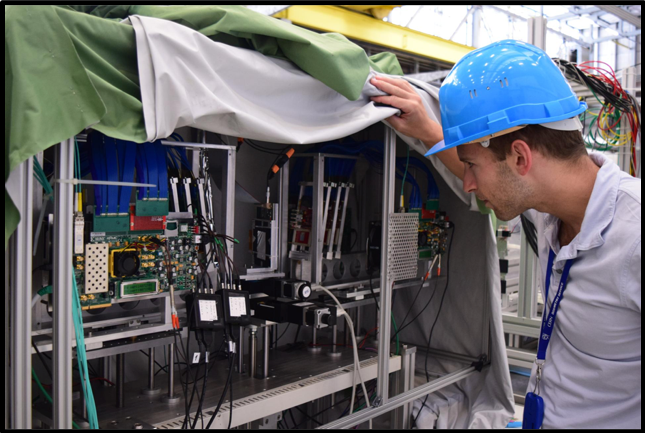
x=548, y=320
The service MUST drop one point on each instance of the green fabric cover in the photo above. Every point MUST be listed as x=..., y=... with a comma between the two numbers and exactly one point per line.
x=72, y=67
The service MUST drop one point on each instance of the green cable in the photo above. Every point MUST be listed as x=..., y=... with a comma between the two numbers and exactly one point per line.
x=82, y=357
x=46, y=394
x=397, y=334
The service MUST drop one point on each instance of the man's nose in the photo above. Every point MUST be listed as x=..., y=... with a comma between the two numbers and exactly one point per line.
x=469, y=182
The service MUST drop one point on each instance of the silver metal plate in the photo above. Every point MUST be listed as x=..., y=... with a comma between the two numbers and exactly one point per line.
x=96, y=268
x=402, y=246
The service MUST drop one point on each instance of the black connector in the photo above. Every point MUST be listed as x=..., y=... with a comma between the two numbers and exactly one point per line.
x=205, y=311
x=237, y=307
x=503, y=266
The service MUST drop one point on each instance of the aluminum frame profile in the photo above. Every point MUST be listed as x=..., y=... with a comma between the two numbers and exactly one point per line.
x=389, y=164
x=62, y=328
x=21, y=285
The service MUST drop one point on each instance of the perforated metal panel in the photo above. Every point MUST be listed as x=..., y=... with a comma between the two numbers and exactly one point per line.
x=96, y=268
x=402, y=246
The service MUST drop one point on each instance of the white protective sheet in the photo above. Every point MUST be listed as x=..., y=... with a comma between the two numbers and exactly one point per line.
x=188, y=80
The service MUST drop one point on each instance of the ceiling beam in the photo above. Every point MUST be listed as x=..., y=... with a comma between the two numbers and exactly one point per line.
x=332, y=19
x=573, y=13
x=622, y=14
x=614, y=37
x=566, y=37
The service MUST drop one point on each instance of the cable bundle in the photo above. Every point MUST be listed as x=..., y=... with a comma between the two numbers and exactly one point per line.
x=617, y=123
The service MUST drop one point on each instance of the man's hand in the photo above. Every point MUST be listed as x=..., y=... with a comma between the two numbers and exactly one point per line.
x=413, y=121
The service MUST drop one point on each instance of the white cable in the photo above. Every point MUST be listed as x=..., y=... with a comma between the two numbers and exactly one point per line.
x=35, y=300
x=357, y=367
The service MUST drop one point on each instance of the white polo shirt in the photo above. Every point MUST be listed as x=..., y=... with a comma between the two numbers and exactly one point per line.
x=592, y=373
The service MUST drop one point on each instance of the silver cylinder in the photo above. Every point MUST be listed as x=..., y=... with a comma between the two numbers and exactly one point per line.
x=267, y=344
x=240, y=351
x=253, y=343
x=171, y=397
x=151, y=390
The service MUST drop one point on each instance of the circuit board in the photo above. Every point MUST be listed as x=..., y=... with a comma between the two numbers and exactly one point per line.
x=119, y=266
x=432, y=233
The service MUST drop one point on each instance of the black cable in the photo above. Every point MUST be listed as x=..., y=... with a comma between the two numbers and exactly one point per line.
x=221, y=400
x=201, y=399
x=443, y=296
x=292, y=418
x=283, y=332
x=42, y=359
x=404, y=325
x=307, y=415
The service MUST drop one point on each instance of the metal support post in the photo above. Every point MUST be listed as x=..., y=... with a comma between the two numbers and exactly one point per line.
x=240, y=351
x=253, y=347
x=171, y=397
x=283, y=221
x=317, y=235
x=408, y=363
x=334, y=338
x=106, y=369
x=357, y=322
x=151, y=390
x=314, y=340
x=62, y=329
x=120, y=378
x=266, y=344
x=230, y=198
x=21, y=246
x=526, y=284
x=389, y=161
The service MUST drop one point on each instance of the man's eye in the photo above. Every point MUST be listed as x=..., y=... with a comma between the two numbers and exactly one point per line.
x=470, y=164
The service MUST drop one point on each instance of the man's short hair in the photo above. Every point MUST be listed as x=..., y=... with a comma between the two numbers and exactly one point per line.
x=562, y=145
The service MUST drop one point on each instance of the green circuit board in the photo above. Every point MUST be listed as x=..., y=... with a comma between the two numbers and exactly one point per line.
x=118, y=266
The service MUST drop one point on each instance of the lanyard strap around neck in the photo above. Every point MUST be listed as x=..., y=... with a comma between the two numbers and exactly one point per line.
x=548, y=320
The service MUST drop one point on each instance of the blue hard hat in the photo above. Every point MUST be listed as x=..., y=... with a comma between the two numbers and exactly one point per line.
x=505, y=84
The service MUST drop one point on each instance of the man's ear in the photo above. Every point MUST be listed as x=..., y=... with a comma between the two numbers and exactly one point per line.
x=521, y=157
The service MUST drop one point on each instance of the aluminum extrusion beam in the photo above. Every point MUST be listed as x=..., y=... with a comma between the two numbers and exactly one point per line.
x=317, y=230
x=398, y=401
x=62, y=329
x=230, y=198
x=622, y=14
x=21, y=245
x=283, y=220
x=389, y=161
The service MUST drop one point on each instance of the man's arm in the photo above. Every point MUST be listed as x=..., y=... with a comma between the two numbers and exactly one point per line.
x=414, y=121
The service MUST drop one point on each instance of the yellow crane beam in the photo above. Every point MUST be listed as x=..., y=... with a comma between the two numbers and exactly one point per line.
x=354, y=25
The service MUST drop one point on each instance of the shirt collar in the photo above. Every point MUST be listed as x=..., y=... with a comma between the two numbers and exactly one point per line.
x=599, y=213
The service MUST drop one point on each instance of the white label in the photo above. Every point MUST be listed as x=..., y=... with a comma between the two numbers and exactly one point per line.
x=208, y=310
x=196, y=358
x=183, y=227
x=237, y=306
x=97, y=234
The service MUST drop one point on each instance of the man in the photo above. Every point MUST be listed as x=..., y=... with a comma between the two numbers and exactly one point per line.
x=510, y=133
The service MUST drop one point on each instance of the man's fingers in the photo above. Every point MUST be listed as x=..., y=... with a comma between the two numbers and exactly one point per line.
x=393, y=87
x=400, y=103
